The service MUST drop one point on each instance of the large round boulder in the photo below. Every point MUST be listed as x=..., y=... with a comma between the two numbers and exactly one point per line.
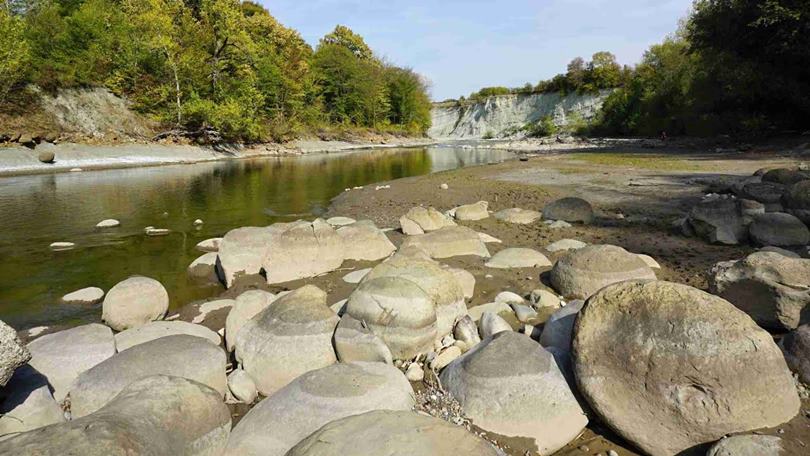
x=154, y=416
x=778, y=229
x=289, y=338
x=157, y=329
x=245, y=307
x=508, y=384
x=449, y=242
x=518, y=258
x=583, y=272
x=569, y=210
x=184, y=356
x=660, y=363
x=363, y=241
x=796, y=347
x=314, y=399
x=134, y=302
x=797, y=200
x=13, y=353
x=406, y=434
x=770, y=287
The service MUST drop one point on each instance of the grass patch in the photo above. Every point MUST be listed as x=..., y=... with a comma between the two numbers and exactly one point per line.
x=656, y=162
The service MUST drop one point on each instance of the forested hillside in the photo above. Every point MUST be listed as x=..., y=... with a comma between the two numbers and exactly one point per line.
x=216, y=65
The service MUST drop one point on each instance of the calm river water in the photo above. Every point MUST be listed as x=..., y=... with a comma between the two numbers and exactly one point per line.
x=38, y=210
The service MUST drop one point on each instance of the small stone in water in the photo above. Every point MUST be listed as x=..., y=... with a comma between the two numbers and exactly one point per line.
x=198, y=222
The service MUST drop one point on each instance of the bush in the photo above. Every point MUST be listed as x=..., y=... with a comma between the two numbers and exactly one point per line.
x=544, y=127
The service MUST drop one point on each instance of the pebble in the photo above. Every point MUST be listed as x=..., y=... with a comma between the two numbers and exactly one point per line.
x=62, y=246
x=198, y=222
x=612, y=453
x=109, y=223
x=76, y=170
x=584, y=448
x=444, y=187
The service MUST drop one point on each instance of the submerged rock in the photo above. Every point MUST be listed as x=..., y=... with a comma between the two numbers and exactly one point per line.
x=109, y=223
x=85, y=296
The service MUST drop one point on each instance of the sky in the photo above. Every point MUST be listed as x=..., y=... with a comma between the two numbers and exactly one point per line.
x=462, y=46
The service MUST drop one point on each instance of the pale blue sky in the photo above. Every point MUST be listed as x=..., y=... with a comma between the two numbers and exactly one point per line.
x=463, y=45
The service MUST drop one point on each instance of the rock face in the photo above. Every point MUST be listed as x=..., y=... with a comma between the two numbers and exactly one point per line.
x=85, y=296
x=569, y=210
x=471, y=212
x=12, y=352
x=62, y=356
x=449, y=242
x=289, y=338
x=421, y=220
x=583, y=272
x=277, y=423
x=673, y=355
x=26, y=403
x=718, y=221
x=772, y=288
x=354, y=342
x=796, y=347
x=797, y=200
x=302, y=250
x=747, y=445
x=242, y=252
x=779, y=229
x=363, y=241
x=245, y=307
x=178, y=356
x=518, y=258
x=157, y=329
x=518, y=216
x=407, y=434
x=510, y=385
x=134, y=302
x=151, y=417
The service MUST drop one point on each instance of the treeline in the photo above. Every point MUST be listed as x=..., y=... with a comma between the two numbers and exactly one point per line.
x=224, y=65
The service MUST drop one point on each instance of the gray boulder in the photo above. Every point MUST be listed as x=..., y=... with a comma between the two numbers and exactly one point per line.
x=242, y=386
x=767, y=193
x=797, y=200
x=449, y=242
x=518, y=258
x=472, y=212
x=245, y=307
x=779, y=229
x=772, y=288
x=354, y=342
x=583, y=272
x=157, y=329
x=673, y=355
x=12, y=352
x=314, y=399
x=363, y=241
x=302, y=250
x=26, y=403
x=421, y=220
x=134, y=302
x=184, y=356
x=242, y=252
x=511, y=386
x=466, y=331
x=558, y=330
x=785, y=176
x=492, y=323
x=747, y=445
x=204, y=268
x=154, y=416
x=518, y=216
x=569, y=210
x=718, y=221
x=796, y=347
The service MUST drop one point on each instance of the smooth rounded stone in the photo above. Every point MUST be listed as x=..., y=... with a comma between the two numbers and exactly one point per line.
x=523, y=312
x=472, y=212
x=204, y=268
x=289, y=338
x=544, y=299
x=444, y=187
x=64, y=355
x=242, y=386
x=134, y=302
x=649, y=261
x=518, y=216
x=780, y=251
x=797, y=200
x=747, y=445
x=559, y=329
x=421, y=220
x=449, y=242
x=355, y=342
x=569, y=210
x=356, y=276
x=492, y=323
x=209, y=245
x=415, y=373
x=583, y=272
x=495, y=307
x=242, y=252
x=184, y=356
x=518, y=258
x=779, y=229
x=85, y=296
x=511, y=386
x=59, y=246
x=211, y=306
x=363, y=241
x=397, y=310
x=466, y=331
x=447, y=356
x=108, y=223
x=245, y=307
x=763, y=192
x=26, y=403
x=487, y=239
x=198, y=222
x=796, y=348
x=314, y=399
x=157, y=329
x=406, y=434
x=509, y=297
x=771, y=288
x=303, y=250
x=153, y=416
x=565, y=244
x=785, y=176
x=718, y=221
x=337, y=222
x=673, y=355
x=465, y=279
x=47, y=157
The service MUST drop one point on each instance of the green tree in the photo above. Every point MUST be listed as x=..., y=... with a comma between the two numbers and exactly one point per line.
x=14, y=52
x=344, y=36
x=408, y=99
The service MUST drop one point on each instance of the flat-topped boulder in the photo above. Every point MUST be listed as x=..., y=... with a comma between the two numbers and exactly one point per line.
x=157, y=329
x=245, y=306
x=242, y=252
x=747, y=445
x=770, y=287
x=564, y=245
x=796, y=200
x=718, y=220
x=796, y=347
x=673, y=355
x=134, y=302
x=316, y=398
x=85, y=296
x=151, y=417
x=472, y=212
x=363, y=241
x=26, y=403
x=62, y=356
x=288, y=338
x=449, y=242
x=583, y=272
x=420, y=220
x=571, y=209
x=13, y=353
x=302, y=250
x=778, y=229
x=518, y=216
x=184, y=356
x=533, y=399
x=407, y=434
x=518, y=258
x=337, y=222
